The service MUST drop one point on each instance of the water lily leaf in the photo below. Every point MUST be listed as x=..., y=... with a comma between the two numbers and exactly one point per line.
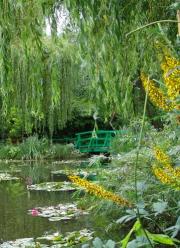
x=7, y=177
x=60, y=212
x=52, y=186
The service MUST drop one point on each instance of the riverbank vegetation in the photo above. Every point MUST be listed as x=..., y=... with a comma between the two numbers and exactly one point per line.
x=34, y=148
x=71, y=66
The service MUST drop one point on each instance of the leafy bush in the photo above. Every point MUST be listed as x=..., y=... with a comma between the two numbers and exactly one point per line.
x=9, y=152
x=123, y=143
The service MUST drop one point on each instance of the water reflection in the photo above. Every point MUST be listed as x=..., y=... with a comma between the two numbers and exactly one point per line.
x=15, y=201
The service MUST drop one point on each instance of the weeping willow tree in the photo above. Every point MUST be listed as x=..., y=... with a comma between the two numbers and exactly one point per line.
x=113, y=57
x=37, y=72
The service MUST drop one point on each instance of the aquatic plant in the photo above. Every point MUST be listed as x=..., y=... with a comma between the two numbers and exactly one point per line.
x=7, y=177
x=62, y=151
x=60, y=212
x=52, y=186
x=68, y=239
x=33, y=148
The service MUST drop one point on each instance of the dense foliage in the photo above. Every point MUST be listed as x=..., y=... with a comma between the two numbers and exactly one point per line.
x=45, y=78
x=117, y=62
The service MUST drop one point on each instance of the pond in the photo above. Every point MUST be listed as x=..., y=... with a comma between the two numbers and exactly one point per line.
x=15, y=201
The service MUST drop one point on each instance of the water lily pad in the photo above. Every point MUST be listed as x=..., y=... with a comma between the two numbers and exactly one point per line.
x=55, y=240
x=52, y=186
x=69, y=161
x=7, y=177
x=27, y=242
x=70, y=239
x=59, y=212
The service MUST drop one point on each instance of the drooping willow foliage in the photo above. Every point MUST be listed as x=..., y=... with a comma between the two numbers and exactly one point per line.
x=114, y=59
x=38, y=73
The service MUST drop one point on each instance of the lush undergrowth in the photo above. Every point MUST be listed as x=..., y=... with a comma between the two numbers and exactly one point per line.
x=36, y=149
x=153, y=218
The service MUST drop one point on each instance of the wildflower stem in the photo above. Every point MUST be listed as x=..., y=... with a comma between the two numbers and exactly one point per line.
x=136, y=165
x=139, y=144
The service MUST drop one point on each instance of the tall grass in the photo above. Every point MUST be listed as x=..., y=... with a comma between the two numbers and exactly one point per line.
x=60, y=151
x=34, y=148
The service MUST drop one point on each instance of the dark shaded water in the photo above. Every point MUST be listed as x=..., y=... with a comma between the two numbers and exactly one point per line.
x=15, y=200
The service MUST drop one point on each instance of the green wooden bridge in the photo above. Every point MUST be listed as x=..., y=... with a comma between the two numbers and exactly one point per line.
x=95, y=141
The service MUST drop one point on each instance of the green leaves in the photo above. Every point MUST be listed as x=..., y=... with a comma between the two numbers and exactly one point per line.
x=114, y=61
x=175, y=6
x=159, y=207
x=97, y=243
x=135, y=227
x=141, y=238
x=174, y=230
x=160, y=238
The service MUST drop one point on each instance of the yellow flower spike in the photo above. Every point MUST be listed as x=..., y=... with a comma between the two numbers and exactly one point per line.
x=167, y=174
x=165, y=160
x=177, y=172
x=99, y=191
x=156, y=95
x=171, y=75
x=161, y=156
x=165, y=178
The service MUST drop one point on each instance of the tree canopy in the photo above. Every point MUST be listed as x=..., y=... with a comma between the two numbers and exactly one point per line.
x=42, y=75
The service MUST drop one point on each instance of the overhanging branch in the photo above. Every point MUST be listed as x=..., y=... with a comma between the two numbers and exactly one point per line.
x=149, y=24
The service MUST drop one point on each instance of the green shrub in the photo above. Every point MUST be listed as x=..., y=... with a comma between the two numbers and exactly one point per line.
x=9, y=152
x=123, y=143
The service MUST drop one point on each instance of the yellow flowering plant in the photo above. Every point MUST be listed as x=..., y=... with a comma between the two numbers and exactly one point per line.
x=171, y=70
x=156, y=95
x=171, y=77
x=165, y=172
x=99, y=191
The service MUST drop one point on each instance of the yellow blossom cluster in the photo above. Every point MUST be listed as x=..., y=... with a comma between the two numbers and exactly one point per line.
x=171, y=77
x=99, y=191
x=171, y=74
x=156, y=95
x=165, y=160
x=166, y=173
x=165, y=177
x=161, y=156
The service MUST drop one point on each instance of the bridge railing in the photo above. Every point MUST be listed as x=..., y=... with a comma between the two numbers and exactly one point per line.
x=96, y=141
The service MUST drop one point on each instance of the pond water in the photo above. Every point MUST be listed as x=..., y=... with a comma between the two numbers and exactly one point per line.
x=16, y=200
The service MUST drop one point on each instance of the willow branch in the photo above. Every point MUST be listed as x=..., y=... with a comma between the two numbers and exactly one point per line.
x=149, y=24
